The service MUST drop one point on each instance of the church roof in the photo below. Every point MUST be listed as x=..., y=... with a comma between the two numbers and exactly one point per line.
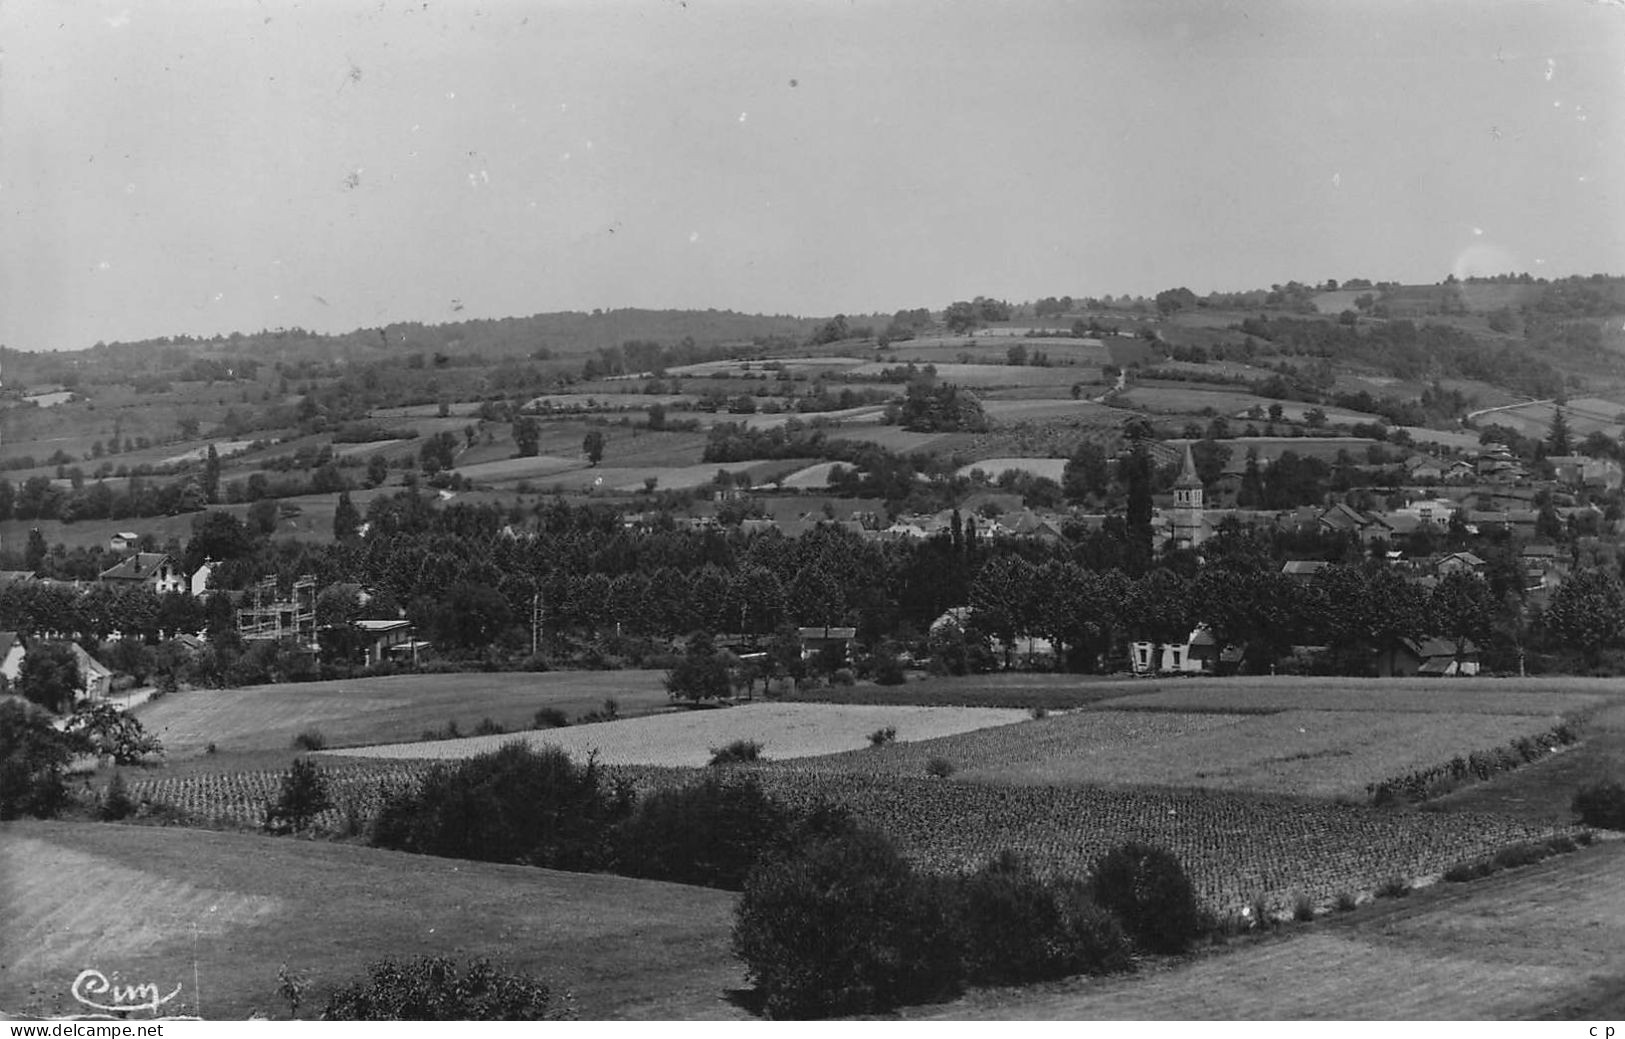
x=1187, y=472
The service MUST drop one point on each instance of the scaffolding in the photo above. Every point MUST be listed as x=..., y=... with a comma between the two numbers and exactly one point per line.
x=266, y=613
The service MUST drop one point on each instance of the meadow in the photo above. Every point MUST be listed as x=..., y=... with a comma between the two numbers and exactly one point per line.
x=392, y=709
x=1308, y=753
x=688, y=738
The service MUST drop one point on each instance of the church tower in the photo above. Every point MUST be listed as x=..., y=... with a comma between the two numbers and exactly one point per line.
x=1188, y=509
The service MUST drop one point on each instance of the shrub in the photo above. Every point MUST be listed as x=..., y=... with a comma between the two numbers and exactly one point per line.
x=489, y=727
x=1017, y=927
x=116, y=802
x=881, y=737
x=1146, y=888
x=736, y=753
x=709, y=832
x=941, y=768
x=310, y=739
x=1520, y=855
x=549, y=718
x=1303, y=909
x=32, y=756
x=515, y=804
x=302, y=797
x=1346, y=902
x=1394, y=887
x=1039, y=713
x=1601, y=804
x=431, y=989
x=844, y=676
x=844, y=927
x=1259, y=913
x=609, y=712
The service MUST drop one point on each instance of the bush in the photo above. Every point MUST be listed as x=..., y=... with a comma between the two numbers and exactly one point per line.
x=1017, y=927
x=881, y=737
x=710, y=832
x=736, y=753
x=32, y=756
x=115, y=802
x=845, y=927
x=549, y=718
x=1601, y=804
x=1346, y=902
x=106, y=731
x=431, y=989
x=302, y=798
x=1303, y=909
x=310, y=739
x=1394, y=887
x=1146, y=888
x=844, y=676
x=514, y=804
x=489, y=727
x=941, y=768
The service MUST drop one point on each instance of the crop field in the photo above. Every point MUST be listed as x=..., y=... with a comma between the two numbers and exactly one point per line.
x=979, y=375
x=1443, y=438
x=520, y=468
x=220, y=913
x=893, y=438
x=375, y=710
x=1081, y=412
x=1188, y=399
x=687, y=738
x=1237, y=847
x=1049, y=468
x=1541, y=696
x=1303, y=753
x=1271, y=448
x=668, y=477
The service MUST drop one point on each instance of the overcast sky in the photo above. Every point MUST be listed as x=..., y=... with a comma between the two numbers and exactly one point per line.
x=197, y=167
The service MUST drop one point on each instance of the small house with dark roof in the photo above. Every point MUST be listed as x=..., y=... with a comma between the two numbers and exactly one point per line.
x=155, y=569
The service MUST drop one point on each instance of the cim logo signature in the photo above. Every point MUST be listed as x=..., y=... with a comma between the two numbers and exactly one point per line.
x=93, y=989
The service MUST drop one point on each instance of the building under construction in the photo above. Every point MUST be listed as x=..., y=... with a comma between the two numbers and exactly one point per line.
x=266, y=612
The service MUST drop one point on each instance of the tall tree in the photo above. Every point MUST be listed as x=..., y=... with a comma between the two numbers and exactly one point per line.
x=1558, y=441
x=1588, y=612
x=527, y=436
x=592, y=445
x=211, y=475
x=346, y=518
x=1462, y=609
x=50, y=677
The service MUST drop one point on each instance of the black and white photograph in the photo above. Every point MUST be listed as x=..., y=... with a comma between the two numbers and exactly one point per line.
x=788, y=510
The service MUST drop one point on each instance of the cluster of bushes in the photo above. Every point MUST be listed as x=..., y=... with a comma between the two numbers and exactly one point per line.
x=538, y=807
x=34, y=753
x=1525, y=854
x=433, y=988
x=1437, y=780
x=1601, y=804
x=847, y=926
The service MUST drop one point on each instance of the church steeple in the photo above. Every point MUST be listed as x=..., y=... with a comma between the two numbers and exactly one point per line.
x=1188, y=519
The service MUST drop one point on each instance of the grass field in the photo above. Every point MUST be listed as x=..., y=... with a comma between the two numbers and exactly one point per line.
x=381, y=710
x=1188, y=399
x=1542, y=942
x=1535, y=696
x=1049, y=468
x=1303, y=753
x=219, y=913
x=978, y=375
x=688, y=738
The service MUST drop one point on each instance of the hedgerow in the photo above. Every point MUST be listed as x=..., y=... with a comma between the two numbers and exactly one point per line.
x=1437, y=780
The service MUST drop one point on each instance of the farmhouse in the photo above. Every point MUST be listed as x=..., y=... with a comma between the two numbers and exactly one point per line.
x=155, y=569
x=385, y=639
x=817, y=640
x=1432, y=658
